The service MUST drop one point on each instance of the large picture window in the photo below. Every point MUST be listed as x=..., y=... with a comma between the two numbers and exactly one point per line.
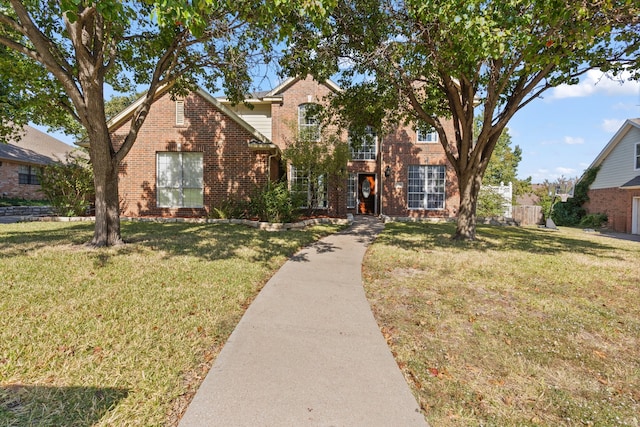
x=365, y=147
x=314, y=191
x=426, y=187
x=179, y=180
x=28, y=175
x=308, y=123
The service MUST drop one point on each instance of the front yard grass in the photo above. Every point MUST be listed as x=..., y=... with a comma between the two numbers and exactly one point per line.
x=123, y=336
x=525, y=327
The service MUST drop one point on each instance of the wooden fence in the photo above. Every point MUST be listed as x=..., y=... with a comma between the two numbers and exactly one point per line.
x=527, y=215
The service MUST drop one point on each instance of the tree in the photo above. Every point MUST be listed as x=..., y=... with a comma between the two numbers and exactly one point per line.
x=429, y=62
x=67, y=50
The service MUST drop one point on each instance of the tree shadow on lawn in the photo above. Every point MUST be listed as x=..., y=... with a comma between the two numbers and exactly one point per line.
x=22, y=405
x=414, y=236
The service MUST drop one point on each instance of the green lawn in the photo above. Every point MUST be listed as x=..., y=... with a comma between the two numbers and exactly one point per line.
x=524, y=327
x=123, y=336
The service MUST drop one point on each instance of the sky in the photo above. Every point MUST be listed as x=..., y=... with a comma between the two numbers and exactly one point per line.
x=562, y=133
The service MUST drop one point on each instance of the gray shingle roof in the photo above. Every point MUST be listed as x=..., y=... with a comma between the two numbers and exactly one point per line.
x=35, y=147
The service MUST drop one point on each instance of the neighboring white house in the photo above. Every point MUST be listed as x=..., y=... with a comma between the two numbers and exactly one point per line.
x=506, y=191
x=616, y=189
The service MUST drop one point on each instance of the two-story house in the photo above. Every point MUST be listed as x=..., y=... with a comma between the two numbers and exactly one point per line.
x=193, y=153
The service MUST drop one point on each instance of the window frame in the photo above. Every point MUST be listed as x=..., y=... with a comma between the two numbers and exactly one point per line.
x=300, y=183
x=370, y=141
x=308, y=126
x=184, y=188
x=180, y=112
x=430, y=190
x=429, y=133
x=28, y=177
x=637, y=156
x=352, y=191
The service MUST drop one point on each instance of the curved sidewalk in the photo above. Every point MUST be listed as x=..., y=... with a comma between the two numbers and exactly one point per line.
x=308, y=351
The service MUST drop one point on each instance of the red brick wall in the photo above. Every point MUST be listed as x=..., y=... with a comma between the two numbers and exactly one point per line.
x=614, y=202
x=9, y=184
x=398, y=150
x=231, y=169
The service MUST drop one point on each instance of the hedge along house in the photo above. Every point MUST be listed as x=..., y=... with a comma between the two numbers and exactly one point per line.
x=616, y=188
x=193, y=153
x=21, y=160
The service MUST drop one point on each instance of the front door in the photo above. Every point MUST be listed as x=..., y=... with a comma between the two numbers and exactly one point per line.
x=367, y=194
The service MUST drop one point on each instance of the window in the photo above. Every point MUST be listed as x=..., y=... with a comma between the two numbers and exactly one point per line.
x=180, y=113
x=637, y=156
x=352, y=190
x=308, y=123
x=180, y=183
x=366, y=147
x=28, y=175
x=426, y=134
x=426, y=187
x=313, y=191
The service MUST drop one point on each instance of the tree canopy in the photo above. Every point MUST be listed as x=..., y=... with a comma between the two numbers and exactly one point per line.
x=433, y=61
x=57, y=57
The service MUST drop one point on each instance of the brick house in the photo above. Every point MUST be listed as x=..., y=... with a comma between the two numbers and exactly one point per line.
x=20, y=161
x=616, y=189
x=193, y=153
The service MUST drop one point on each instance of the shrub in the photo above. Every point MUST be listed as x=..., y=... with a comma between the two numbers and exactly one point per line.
x=275, y=203
x=594, y=220
x=229, y=208
x=68, y=186
x=490, y=203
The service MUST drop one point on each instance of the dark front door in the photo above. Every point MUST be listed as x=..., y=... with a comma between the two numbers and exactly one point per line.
x=367, y=194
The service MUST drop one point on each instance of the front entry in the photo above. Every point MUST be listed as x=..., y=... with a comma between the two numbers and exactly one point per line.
x=367, y=194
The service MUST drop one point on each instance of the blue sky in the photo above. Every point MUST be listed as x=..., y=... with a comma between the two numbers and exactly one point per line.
x=563, y=132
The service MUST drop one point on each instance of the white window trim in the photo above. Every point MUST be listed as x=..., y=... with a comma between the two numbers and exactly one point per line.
x=364, y=156
x=303, y=120
x=352, y=191
x=433, y=133
x=636, y=157
x=427, y=184
x=322, y=203
x=181, y=187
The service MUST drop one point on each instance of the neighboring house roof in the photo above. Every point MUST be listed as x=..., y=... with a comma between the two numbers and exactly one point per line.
x=633, y=184
x=624, y=129
x=35, y=147
x=125, y=114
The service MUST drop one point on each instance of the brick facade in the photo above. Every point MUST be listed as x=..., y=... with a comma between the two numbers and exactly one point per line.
x=10, y=186
x=232, y=169
x=616, y=203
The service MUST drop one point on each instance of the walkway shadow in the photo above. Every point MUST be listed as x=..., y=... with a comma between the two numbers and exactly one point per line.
x=30, y=405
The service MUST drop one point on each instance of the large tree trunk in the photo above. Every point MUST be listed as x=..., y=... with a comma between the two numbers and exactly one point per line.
x=469, y=184
x=105, y=168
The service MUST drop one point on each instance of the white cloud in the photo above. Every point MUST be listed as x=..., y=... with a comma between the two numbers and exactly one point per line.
x=573, y=140
x=612, y=125
x=568, y=172
x=597, y=82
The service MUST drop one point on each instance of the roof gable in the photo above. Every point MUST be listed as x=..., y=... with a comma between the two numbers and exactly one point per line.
x=126, y=114
x=277, y=91
x=613, y=143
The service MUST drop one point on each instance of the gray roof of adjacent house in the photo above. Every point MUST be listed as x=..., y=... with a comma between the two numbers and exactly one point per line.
x=34, y=147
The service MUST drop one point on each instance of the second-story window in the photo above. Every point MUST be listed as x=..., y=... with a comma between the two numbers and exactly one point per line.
x=426, y=134
x=364, y=147
x=308, y=123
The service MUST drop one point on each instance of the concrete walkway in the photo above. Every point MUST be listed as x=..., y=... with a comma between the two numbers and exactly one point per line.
x=308, y=351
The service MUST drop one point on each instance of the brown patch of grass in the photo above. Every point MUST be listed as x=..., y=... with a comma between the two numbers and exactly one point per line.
x=523, y=327
x=124, y=335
